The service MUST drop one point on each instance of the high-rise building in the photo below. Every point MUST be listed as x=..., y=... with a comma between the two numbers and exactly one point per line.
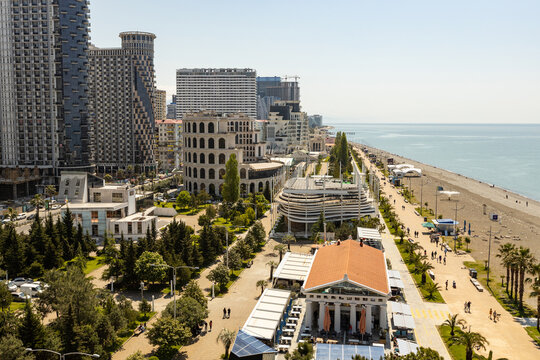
x=44, y=126
x=287, y=128
x=209, y=139
x=122, y=85
x=168, y=144
x=160, y=104
x=222, y=90
x=274, y=88
x=171, y=108
x=315, y=121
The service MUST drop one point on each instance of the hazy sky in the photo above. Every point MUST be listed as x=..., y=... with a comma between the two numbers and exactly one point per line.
x=358, y=61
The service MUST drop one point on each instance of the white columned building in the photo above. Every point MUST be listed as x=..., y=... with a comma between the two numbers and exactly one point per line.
x=347, y=277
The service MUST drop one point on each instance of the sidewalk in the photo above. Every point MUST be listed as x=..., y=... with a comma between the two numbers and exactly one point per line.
x=506, y=337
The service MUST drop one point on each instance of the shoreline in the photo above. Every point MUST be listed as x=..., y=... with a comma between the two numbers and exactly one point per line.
x=519, y=216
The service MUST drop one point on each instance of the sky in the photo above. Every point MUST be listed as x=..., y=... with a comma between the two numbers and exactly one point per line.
x=358, y=61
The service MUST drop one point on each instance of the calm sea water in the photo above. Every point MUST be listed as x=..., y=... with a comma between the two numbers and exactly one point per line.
x=505, y=155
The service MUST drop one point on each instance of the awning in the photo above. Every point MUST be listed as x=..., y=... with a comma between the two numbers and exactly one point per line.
x=428, y=225
x=406, y=347
x=402, y=321
x=400, y=308
x=246, y=345
x=394, y=279
x=338, y=351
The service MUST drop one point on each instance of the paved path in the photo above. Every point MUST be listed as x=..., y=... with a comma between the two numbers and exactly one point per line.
x=507, y=338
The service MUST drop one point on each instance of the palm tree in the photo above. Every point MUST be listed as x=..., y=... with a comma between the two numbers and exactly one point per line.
x=288, y=239
x=470, y=340
x=50, y=191
x=431, y=288
x=262, y=285
x=535, y=272
x=452, y=322
x=524, y=260
x=412, y=247
x=505, y=251
x=226, y=337
x=37, y=201
x=12, y=214
x=280, y=248
x=422, y=268
x=272, y=265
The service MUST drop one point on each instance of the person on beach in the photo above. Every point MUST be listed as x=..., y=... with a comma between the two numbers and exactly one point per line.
x=210, y=325
x=228, y=313
x=440, y=258
x=490, y=313
x=446, y=284
x=445, y=260
x=494, y=316
x=469, y=307
x=224, y=313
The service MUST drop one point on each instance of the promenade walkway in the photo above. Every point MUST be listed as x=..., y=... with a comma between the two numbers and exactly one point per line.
x=507, y=338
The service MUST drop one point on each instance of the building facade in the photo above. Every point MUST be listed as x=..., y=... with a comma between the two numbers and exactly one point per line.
x=122, y=84
x=287, y=128
x=224, y=91
x=315, y=120
x=273, y=88
x=44, y=121
x=168, y=144
x=209, y=139
x=160, y=104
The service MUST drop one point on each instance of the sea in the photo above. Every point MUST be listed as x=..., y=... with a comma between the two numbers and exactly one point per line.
x=506, y=155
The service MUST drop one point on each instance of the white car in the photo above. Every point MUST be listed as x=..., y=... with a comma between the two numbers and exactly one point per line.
x=20, y=280
x=21, y=216
x=11, y=286
x=56, y=207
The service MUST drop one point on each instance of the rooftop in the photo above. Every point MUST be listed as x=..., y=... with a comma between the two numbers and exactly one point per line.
x=265, y=166
x=364, y=266
x=294, y=266
x=310, y=183
x=267, y=313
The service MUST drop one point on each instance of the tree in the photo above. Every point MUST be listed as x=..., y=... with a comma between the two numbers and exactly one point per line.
x=202, y=197
x=231, y=183
x=211, y=212
x=145, y=269
x=525, y=259
x=431, y=288
x=37, y=201
x=262, y=284
x=188, y=311
x=505, y=252
x=193, y=291
x=289, y=239
x=168, y=333
x=535, y=286
x=145, y=307
x=266, y=193
x=467, y=241
x=303, y=352
x=226, y=337
x=108, y=178
x=422, y=268
x=31, y=332
x=272, y=265
x=452, y=322
x=183, y=199
x=470, y=340
x=420, y=354
x=12, y=348
x=280, y=248
x=136, y=356
x=5, y=296
x=219, y=275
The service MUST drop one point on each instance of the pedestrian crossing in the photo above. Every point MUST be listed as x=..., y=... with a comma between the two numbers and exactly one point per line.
x=432, y=314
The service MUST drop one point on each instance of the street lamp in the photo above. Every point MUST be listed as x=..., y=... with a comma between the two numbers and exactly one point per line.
x=63, y=356
x=173, y=289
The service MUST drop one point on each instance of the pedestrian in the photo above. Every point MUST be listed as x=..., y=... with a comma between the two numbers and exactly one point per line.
x=408, y=231
x=490, y=313
x=445, y=260
x=229, y=313
x=224, y=313
x=446, y=284
x=435, y=253
x=205, y=326
x=440, y=258
x=494, y=316
x=469, y=307
x=465, y=307
x=425, y=253
x=210, y=325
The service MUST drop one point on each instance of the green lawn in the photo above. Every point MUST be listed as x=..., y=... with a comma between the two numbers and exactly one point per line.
x=185, y=211
x=533, y=333
x=16, y=306
x=94, y=263
x=498, y=291
x=417, y=277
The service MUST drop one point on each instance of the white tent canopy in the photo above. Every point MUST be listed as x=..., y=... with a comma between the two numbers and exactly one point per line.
x=400, y=308
x=402, y=321
x=294, y=266
x=266, y=315
x=394, y=279
x=406, y=347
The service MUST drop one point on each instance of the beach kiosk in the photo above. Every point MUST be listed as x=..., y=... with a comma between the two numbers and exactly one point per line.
x=445, y=226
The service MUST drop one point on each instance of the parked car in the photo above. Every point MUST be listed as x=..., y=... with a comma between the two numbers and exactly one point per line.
x=19, y=296
x=21, y=216
x=20, y=280
x=31, y=216
x=31, y=289
x=6, y=220
x=11, y=286
x=56, y=207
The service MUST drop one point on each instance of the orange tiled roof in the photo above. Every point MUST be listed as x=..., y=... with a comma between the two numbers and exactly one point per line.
x=363, y=265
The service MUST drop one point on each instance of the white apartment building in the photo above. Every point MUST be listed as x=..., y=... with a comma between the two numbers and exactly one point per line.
x=160, y=105
x=224, y=91
x=168, y=144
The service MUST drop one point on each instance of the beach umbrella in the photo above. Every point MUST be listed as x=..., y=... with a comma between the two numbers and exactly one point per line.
x=428, y=225
x=327, y=320
x=362, y=325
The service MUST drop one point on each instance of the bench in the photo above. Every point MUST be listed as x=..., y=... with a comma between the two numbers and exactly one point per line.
x=477, y=285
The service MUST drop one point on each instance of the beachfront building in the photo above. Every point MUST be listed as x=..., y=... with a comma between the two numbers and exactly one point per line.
x=210, y=138
x=347, y=284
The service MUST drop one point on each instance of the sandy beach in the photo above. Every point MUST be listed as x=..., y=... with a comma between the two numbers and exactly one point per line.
x=519, y=217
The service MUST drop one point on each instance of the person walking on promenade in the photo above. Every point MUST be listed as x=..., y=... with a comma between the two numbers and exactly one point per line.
x=229, y=313
x=446, y=284
x=210, y=325
x=465, y=307
x=469, y=307
x=224, y=313
x=490, y=313
x=440, y=258
x=494, y=316
x=445, y=260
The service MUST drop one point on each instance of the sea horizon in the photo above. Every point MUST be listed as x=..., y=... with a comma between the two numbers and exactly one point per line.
x=491, y=153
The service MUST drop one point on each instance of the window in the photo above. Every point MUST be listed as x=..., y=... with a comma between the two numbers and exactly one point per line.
x=139, y=227
x=222, y=158
x=211, y=159
x=222, y=143
x=211, y=174
x=130, y=228
x=97, y=197
x=210, y=143
x=117, y=197
x=201, y=159
x=116, y=228
x=201, y=128
x=194, y=142
x=201, y=143
x=211, y=127
x=202, y=174
x=95, y=217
